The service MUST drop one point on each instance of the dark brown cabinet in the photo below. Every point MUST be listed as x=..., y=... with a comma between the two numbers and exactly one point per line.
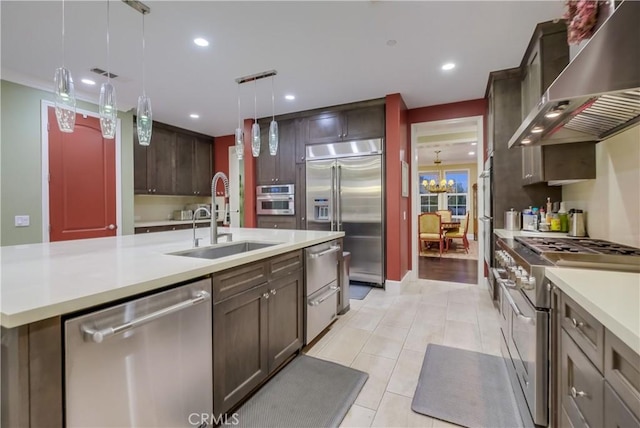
x=281, y=168
x=177, y=162
x=360, y=123
x=154, y=165
x=257, y=329
x=276, y=222
x=168, y=227
x=193, y=166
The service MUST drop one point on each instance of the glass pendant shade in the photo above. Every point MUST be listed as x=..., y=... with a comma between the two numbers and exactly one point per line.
x=239, y=143
x=273, y=138
x=108, y=110
x=144, y=121
x=65, y=99
x=255, y=140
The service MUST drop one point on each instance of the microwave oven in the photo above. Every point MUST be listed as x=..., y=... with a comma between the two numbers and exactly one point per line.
x=275, y=199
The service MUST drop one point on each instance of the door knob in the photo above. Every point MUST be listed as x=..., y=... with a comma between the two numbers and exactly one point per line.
x=111, y=227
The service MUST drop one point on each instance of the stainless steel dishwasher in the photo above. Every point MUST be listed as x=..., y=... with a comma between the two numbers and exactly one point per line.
x=143, y=363
x=321, y=264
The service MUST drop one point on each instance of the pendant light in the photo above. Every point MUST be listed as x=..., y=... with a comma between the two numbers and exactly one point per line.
x=108, y=108
x=255, y=129
x=65, y=95
x=273, y=126
x=144, y=117
x=239, y=132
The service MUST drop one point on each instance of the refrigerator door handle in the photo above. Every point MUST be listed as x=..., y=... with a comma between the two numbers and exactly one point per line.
x=339, y=198
x=333, y=195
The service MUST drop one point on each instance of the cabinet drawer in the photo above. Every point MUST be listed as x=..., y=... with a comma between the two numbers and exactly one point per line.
x=616, y=414
x=587, y=332
x=233, y=281
x=581, y=386
x=622, y=371
x=284, y=264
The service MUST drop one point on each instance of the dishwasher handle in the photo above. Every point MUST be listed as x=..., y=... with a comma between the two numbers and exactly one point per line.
x=331, y=249
x=97, y=336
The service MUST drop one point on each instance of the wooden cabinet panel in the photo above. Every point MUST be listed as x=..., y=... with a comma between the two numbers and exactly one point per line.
x=203, y=166
x=301, y=196
x=161, y=162
x=278, y=169
x=285, y=264
x=233, y=281
x=622, y=371
x=616, y=413
x=587, y=332
x=184, y=165
x=276, y=222
x=358, y=123
x=139, y=167
x=240, y=359
x=285, y=318
x=582, y=386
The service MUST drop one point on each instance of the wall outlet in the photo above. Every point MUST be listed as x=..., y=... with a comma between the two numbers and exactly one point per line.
x=22, y=220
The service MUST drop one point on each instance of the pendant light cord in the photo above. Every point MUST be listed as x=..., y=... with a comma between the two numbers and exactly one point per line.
x=62, y=33
x=144, y=94
x=108, y=50
x=273, y=110
x=255, y=103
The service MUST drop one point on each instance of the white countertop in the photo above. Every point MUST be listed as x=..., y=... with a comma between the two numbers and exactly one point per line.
x=510, y=234
x=39, y=281
x=613, y=298
x=168, y=222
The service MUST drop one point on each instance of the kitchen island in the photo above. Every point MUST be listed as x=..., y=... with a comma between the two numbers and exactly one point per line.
x=44, y=284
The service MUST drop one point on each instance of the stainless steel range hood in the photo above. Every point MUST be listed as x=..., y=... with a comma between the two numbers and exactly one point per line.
x=598, y=94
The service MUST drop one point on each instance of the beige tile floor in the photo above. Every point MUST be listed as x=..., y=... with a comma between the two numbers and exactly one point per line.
x=387, y=333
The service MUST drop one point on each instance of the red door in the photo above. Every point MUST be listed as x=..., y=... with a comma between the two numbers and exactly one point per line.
x=82, y=184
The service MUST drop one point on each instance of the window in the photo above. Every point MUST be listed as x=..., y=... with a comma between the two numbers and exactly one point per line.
x=428, y=201
x=457, y=202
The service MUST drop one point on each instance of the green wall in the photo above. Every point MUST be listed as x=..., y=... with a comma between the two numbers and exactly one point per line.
x=21, y=163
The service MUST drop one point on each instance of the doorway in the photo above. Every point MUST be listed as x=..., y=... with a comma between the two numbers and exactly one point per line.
x=80, y=179
x=450, y=150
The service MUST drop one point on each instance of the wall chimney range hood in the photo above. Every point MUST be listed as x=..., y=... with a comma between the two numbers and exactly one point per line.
x=598, y=94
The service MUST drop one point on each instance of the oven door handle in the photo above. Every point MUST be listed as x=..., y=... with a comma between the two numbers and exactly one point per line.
x=503, y=281
x=515, y=308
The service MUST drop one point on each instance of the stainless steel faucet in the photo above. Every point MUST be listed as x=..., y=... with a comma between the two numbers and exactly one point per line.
x=195, y=240
x=214, y=220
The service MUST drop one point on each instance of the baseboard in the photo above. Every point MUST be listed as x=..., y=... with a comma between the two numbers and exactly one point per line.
x=406, y=278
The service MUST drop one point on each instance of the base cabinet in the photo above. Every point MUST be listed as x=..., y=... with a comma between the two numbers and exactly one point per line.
x=255, y=332
x=276, y=222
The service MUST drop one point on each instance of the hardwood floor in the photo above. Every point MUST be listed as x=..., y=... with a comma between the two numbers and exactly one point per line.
x=445, y=269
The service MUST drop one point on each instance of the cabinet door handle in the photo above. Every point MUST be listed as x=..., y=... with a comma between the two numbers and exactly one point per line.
x=577, y=324
x=154, y=190
x=276, y=180
x=575, y=393
x=265, y=295
x=273, y=291
x=275, y=225
x=149, y=191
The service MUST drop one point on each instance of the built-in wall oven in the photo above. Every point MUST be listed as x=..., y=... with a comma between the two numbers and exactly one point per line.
x=275, y=199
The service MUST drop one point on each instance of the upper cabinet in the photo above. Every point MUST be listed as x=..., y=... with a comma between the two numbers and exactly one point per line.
x=177, y=162
x=545, y=58
x=354, y=124
x=281, y=168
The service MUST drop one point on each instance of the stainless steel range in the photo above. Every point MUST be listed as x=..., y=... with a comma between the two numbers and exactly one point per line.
x=525, y=299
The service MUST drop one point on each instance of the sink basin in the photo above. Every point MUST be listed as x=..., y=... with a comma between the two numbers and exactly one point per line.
x=224, y=250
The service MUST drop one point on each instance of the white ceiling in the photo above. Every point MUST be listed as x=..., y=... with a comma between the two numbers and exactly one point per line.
x=326, y=53
x=455, y=139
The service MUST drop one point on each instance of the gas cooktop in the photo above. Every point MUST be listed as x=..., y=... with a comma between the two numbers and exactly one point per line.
x=545, y=246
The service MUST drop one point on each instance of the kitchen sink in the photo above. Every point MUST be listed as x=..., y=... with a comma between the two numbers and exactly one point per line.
x=224, y=250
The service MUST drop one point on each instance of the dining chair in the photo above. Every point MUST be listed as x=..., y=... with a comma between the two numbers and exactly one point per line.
x=460, y=233
x=445, y=215
x=430, y=230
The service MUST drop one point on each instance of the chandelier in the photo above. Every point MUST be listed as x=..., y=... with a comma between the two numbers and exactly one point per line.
x=443, y=186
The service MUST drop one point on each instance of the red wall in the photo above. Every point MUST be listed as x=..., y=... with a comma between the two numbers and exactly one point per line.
x=221, y=158
x=398, y=224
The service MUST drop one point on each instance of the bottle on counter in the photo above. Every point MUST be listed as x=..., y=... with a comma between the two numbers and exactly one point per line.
x=549, y=206
x=564, y=218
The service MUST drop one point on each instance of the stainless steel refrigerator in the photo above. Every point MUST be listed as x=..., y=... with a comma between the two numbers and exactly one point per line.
x=344, y=182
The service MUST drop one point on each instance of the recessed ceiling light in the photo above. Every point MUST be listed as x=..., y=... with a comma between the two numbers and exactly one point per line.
x=474, y=144
x=201, y=42
x=472, y=153
x=391, y=42
x=290, y=97
x=194, y=116
x=88, y=82
x=448, y=66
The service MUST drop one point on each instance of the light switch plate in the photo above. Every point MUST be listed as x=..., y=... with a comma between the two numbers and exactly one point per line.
x=22, y=220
